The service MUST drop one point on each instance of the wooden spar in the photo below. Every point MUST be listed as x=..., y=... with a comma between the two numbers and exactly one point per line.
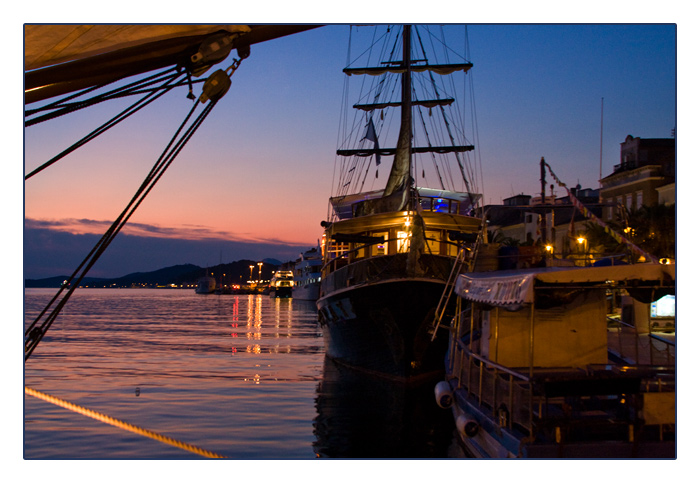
x=401, y=169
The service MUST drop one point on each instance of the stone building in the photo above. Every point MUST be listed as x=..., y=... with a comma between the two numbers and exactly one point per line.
x=645, y=176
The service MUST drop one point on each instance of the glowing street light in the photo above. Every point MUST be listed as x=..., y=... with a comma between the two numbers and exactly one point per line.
x=259, y=270
x=251, y=272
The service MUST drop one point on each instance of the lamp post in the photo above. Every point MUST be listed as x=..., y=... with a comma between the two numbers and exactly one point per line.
x=251, y=273
x=260, y=271
x=581, y=240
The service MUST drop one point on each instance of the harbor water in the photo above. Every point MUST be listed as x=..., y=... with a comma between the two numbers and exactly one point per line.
x=240, y=376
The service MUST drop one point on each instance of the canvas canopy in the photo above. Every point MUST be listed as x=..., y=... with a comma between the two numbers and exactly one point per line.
x=515, y=288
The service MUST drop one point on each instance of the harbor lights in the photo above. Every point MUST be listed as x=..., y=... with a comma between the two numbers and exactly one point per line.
x=260, y=271
x=250, y=280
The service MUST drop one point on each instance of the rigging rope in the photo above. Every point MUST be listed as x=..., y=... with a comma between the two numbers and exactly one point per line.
x=35, y=332
x=120, y=424
x=137, y=106
x=62, y=106
x=619, y=238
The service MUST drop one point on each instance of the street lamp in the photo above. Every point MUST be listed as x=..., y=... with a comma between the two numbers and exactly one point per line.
x=260, y=271
x=251, y=273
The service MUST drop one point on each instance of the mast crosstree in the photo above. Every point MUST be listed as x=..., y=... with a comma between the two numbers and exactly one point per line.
x=400, y=176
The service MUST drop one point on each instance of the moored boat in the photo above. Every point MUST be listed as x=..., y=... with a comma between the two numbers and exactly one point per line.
x=537, y=369
x=307, y=275
x=388, y=252
x=281, y=284
x=206, y=285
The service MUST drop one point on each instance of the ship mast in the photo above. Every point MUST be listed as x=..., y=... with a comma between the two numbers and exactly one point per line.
x=401, y=169
x=395, y=194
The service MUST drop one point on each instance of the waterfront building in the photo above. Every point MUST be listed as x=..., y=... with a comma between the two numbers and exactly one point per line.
x=645, y=176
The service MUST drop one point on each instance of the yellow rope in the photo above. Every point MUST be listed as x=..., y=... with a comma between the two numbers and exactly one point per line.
x=120, y=424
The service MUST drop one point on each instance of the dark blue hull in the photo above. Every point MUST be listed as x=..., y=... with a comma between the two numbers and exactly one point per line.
x=281, y=292
x=385, y=327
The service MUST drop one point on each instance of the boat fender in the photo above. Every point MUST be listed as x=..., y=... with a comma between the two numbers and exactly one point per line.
x=467, y=426
x=443, y=394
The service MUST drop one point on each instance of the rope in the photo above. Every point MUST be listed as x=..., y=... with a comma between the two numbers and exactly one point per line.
x=62, y=106
x=120, y=424
x=34, y=333
x=619, y=238
x=138, y=105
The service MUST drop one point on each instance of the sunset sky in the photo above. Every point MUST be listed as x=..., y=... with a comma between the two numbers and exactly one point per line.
x=255, y=180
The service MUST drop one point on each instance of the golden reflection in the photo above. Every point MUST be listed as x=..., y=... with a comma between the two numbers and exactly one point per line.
x=254, y=349
x=255, y=379
x=282, y=312
x=234, y=322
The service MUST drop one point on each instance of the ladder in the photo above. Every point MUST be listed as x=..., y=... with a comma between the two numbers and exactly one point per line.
x=460, y=260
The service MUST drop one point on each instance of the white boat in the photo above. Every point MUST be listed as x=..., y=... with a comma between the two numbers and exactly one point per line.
x=206, y=285
x=307, y=275
x=281, y=284
x=388, y=252
x=537, y=369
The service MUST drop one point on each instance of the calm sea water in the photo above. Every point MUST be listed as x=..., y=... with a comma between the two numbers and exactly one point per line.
x=243, y=376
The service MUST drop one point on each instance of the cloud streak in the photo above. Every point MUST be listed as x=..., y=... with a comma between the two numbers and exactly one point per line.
x=56, y=247
x=191, y=232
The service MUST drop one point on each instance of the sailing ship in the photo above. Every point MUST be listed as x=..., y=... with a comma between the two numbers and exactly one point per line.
x=389, y=252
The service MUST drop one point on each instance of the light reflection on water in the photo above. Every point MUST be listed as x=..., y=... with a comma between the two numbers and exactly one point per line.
x=243, y=376
x=233, y=374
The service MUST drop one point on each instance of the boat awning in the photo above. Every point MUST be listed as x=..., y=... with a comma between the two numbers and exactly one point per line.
x=343, y=205
x=512, y=288
x=59, y=59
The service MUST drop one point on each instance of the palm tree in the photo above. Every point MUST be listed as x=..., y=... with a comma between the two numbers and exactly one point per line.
x=651, y=228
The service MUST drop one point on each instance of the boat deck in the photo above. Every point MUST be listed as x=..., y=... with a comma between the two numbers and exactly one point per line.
x=656, y=348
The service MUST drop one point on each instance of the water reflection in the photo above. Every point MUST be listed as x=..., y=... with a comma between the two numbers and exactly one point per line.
x=361, y=416
x=161, y=360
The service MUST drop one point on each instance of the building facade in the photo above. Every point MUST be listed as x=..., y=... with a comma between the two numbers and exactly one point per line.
x=645, y=176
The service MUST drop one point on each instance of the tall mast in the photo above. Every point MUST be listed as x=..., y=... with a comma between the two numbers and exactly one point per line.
x=401, y=169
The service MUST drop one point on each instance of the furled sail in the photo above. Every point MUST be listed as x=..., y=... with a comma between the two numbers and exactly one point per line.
x=429, y=103
x=59, y=59
x=441, y=69
x=410, y=76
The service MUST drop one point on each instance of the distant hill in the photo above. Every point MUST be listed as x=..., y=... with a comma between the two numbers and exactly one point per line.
x=179, y=275
x=55, y=282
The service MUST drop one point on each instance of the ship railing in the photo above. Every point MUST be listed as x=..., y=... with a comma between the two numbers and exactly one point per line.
x=344, y=257
x=634, y=347
x=535, y=405
x=507, y=392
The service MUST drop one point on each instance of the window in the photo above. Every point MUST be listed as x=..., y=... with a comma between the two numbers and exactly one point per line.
x=379, y=248
x=403, y=242
x=433, y=242
x=628, y=203
x=640, y=199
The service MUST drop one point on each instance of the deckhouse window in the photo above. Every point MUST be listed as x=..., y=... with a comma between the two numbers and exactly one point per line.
x=403, y=241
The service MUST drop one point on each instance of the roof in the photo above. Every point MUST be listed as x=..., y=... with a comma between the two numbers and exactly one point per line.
x=511, y=288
